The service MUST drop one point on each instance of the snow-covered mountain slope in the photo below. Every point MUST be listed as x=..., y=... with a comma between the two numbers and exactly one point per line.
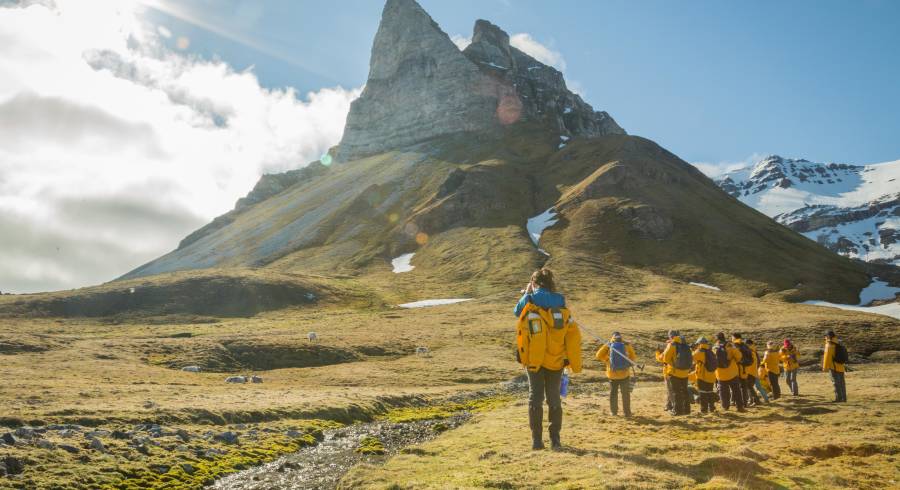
x=852, y=209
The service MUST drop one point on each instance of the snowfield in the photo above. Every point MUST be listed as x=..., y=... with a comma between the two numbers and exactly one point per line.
x=402, y=263
x=852, y=209
x=433, y=302
x=539, y=223
x=877, y=290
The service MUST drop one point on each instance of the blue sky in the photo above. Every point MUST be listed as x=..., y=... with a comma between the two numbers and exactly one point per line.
x=711, y=81
x=127, y=124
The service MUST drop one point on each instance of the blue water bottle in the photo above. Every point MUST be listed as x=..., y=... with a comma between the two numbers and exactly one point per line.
x=564, y=384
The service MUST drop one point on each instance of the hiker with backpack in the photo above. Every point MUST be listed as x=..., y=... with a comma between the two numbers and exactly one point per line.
x=679, y=361
x=728, y=373
x=772, y=361
x=835, y=360
x=790, y=359
x=744, y=366
x=547, y=341
x=753, y=383
x=705, y=369
x=762, y=382
x=618, y=356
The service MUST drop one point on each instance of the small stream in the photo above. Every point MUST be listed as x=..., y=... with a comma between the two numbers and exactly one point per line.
x=322, y=466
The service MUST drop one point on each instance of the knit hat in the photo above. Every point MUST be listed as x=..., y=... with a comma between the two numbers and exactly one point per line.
x=616, y=336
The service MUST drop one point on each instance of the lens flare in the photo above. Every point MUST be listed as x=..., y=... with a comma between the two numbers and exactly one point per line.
x=326, y=159
x=509, y=110
x=183, y=43
x=422, y=238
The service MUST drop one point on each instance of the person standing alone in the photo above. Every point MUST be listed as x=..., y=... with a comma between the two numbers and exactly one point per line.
x=547, y=340
x=618, y=356
x=835, y=360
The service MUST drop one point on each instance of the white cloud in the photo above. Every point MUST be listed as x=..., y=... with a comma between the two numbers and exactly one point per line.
x=538, y=51
x=526, y=44
x=715, y=170
x=461, y=42
x=113, y=147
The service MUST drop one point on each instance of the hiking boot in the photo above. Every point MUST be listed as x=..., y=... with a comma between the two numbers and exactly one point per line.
x=627, y=415
x=555, y=445
x=537, y=445
x=741, y=410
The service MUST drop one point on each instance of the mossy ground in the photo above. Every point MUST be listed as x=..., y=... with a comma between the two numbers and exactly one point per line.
x=114, y=373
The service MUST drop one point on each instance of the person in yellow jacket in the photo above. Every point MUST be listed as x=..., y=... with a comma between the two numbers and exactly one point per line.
x=831, y=362
x=618, y=356
x=772, y=361
x=728, y=373
x=679, y=362
x=547, y=341
x=763, y=382
x=753, y=373
x=746, y=370
x=705, y=370
x=790, y=359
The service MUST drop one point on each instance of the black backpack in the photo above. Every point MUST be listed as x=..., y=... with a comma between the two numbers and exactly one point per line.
x=711, y=363
x=684, y=358
x=746, y=354
x=722, y=356
x=840, y=353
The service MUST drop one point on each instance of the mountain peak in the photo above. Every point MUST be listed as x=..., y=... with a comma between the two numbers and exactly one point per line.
x=421, y=86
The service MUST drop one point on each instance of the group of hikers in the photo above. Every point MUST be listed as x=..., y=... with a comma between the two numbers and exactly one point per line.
x=727, y=370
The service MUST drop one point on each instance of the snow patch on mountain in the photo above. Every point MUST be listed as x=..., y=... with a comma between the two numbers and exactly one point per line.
x=539, y=223
x=402, y=263
x=707, y=286
x=433, y=302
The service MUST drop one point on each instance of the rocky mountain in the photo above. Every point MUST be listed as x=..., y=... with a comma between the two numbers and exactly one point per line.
x=451, y=156
x=852, y=209
x=421, y=86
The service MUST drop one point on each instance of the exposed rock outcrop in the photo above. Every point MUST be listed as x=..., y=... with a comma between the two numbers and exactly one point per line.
x=421, y=86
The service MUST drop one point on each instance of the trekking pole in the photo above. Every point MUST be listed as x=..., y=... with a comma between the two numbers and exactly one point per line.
x=597, y=338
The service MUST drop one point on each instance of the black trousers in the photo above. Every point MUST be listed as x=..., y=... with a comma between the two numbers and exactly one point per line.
x=623, y=385
x=840, y=386
x=544, y=383
x=707, y=396
x=731, y=391
x=776, y=388
x=678, y=394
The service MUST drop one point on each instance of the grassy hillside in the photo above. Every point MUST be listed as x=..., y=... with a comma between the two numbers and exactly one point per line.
x=461, y=200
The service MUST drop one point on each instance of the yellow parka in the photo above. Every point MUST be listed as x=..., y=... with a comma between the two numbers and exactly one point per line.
x=603, y=356
x=764, y=378
x=743, y=371
x=546, y=338
x=753, y=368
x=790, y=358
x=659, y=359
x=828, y=363
x=733, y=369
x=700, y=364
x=668, y=357
x=772, y=361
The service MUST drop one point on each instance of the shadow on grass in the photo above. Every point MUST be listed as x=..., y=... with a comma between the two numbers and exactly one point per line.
x=742, y=471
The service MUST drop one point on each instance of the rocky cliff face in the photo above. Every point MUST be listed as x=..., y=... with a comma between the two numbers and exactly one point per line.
x=421, y=86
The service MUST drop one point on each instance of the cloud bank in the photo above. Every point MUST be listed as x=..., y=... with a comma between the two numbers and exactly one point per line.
x=113, y=148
